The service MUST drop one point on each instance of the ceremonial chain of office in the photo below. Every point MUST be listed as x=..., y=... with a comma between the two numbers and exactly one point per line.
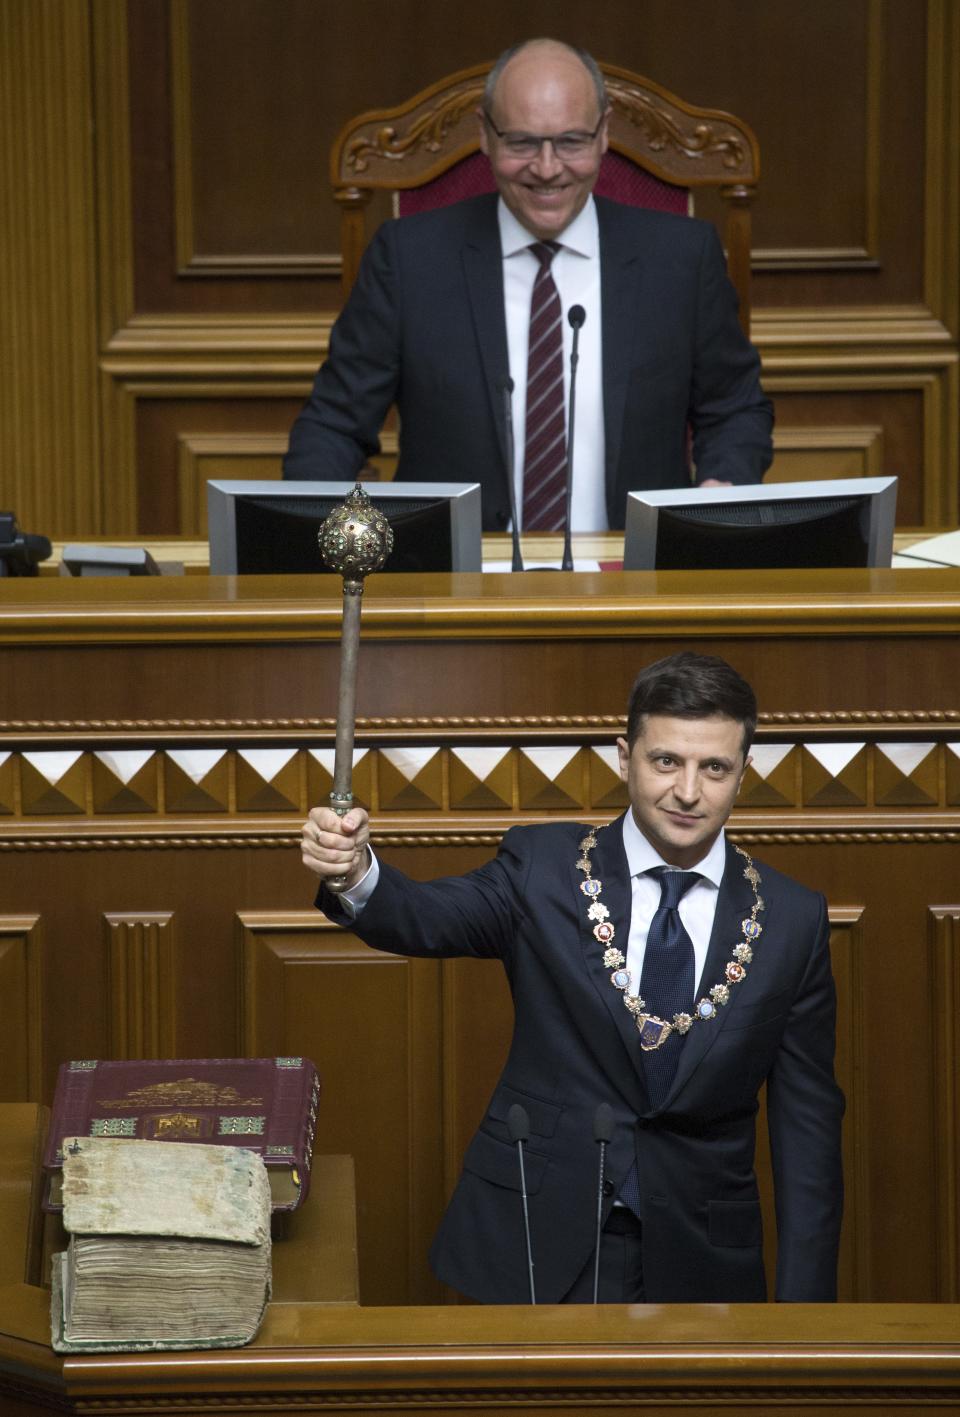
x=655, y=1031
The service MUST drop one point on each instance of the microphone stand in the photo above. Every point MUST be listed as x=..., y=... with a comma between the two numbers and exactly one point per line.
x=575, y=318
x=518, y=1124
x=511, y=454
x=602, y=1133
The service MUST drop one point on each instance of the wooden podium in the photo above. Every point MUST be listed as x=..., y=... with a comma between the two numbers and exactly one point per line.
x=161, y=740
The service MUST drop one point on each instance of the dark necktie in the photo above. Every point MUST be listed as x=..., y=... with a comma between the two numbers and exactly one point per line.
x=667, y=980
x=666, y=985
x=545, y=445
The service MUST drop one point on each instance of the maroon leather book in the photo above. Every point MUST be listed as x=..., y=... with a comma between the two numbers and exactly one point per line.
x=266, y=1104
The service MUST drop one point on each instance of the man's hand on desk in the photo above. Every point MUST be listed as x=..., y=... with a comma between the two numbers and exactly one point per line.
x=336, y=847
x=714, y=482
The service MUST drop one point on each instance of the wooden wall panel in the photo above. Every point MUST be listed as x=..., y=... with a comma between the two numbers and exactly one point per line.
x=141, y=985
x=21, y=988
x=371, y=1023
x=199, y=243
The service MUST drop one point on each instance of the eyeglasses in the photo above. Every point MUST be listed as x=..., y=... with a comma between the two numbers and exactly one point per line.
x=528, y=145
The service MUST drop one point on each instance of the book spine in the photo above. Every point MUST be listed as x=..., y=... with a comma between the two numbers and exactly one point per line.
x=293, y=1119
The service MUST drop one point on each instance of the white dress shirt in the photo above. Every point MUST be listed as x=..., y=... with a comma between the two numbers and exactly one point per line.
x=697, y=907
x=576, y=274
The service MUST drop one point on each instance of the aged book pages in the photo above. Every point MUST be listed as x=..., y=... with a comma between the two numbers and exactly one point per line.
x=169, y=1246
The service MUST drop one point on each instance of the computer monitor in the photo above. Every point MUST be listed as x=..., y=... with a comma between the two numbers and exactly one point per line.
x=780, y=525
x=270, y=528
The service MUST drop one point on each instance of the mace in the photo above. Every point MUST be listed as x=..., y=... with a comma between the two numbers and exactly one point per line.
x=355, y=540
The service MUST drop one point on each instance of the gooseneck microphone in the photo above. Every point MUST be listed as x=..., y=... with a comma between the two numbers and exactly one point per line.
x=575, y=318
x=602, y=1133
x=507, y=391
x=518, y=1125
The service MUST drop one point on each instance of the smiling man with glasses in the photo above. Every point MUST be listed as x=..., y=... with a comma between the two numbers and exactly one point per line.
x=459, y=314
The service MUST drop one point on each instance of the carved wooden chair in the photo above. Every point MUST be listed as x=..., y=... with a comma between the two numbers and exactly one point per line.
x=427, y=152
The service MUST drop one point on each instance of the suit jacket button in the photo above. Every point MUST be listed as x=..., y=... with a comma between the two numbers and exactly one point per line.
x=608, y=1188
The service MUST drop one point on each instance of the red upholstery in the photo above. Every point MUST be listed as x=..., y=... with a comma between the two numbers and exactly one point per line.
x=620, y=179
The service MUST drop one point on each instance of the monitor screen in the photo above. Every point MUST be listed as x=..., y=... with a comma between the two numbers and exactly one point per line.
x=781, y=526
x=270, y=528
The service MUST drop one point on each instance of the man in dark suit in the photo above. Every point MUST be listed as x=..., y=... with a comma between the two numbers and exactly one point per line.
x=438, y=323
x=656, y=968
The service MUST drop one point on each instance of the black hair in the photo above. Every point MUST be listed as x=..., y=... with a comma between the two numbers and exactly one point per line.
x=691, y=685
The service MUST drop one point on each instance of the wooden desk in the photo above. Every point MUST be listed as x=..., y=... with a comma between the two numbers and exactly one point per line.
x=681, y=1359
x=162, y=740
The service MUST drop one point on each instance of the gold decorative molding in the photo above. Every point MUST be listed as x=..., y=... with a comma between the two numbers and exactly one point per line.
x=141, y=984
x=882, y=724
x=21, y=988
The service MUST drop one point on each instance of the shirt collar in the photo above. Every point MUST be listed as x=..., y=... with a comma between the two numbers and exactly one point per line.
x=642, y=857
x=582, y=236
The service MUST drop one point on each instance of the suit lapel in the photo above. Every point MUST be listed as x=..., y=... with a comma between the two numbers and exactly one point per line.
x=619, y=303
x=733, y=905
x=609, y=861
x=483, y=272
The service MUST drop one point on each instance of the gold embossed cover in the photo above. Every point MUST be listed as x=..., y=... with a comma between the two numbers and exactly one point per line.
x=266, y=1104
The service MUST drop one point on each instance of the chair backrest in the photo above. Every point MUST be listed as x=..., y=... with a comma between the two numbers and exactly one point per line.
x=427, y=151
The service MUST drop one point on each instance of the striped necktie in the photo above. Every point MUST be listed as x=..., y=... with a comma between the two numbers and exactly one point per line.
x=545, y=450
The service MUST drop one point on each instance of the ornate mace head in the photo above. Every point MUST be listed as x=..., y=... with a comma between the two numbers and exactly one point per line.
x=355, y=539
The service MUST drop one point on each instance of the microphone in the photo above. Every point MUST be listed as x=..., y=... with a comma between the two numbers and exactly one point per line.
x=20, y=552
x=602, y=1133
x=518, y=1125
x=507, y=390
x=575, y=318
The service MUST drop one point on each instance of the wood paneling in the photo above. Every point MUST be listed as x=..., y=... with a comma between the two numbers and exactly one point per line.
x=21, y=988
x=371, y=1023
x=176, y=915
x=141, y=985
x=166, y=204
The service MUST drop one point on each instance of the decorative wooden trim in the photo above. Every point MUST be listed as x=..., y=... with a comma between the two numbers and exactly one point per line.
x=847, y=957
x=865, y=443
x=756, y=826
x=934, y=377
x=865, y=256
x=877, y=330
x=192, y=448
x=21, y=988
x=189, y=263
x=942, y=189
x=779, y=726
x=111, y=77
x=141, y=984
x=160, y=336
x=883, y=605
x=944, y=954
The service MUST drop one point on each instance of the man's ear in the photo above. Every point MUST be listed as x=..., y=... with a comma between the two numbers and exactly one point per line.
x=623, y=755
x=484, y=145
x=743, y=771
x=605, y=131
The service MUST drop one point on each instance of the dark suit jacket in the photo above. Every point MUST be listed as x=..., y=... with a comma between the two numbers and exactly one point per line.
x=424, y=327
x=575, y=1045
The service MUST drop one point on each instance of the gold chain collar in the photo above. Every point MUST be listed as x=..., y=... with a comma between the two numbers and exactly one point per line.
x=655, y=1031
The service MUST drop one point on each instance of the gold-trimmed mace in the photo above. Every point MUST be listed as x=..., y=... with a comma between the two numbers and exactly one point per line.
x=355, y=540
